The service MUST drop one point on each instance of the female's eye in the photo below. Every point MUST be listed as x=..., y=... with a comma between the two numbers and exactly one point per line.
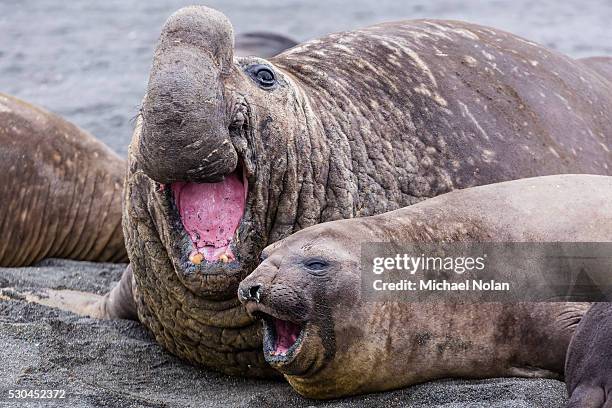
x=316, y=264
x=263, y=75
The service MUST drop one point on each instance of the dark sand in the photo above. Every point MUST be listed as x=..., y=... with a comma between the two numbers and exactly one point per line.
x=118, y=364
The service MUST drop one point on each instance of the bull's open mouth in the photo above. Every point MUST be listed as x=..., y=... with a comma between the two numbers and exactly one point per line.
x=207, y=217
x=282, y=339
x=211, y=213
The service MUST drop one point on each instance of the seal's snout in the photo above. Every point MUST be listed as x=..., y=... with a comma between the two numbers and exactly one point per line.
x=203, y=28
x=281, y=309
x=185, y=126
x=250, y=293
x=254, y=293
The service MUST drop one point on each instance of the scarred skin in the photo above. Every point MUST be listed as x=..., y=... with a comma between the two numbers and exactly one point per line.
x=353, y=344
x=588, y=368
x=60, y=190
x=357, y=124
x=602, y=65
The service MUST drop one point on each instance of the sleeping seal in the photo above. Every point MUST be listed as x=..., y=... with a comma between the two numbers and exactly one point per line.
x=60, y=190
x=329, y=340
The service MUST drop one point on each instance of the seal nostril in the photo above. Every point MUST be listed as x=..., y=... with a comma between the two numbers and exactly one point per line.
x=254, y=292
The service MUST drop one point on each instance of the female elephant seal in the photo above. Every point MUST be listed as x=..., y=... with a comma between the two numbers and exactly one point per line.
x=329, y=340
x=232, y=154
x=60, y=190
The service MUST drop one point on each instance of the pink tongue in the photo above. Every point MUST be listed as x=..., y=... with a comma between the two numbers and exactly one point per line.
x=286, y=335
x=211, y=213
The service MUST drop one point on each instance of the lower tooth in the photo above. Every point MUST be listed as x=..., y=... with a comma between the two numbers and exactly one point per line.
x=223, y=258
x=196, y=258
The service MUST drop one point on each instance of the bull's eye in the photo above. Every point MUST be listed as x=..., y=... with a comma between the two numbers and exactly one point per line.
x=316, y=264
x=263, y=75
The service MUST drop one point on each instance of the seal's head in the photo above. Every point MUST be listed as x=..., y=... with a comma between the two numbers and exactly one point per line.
x=210, y=153
x=306, y=292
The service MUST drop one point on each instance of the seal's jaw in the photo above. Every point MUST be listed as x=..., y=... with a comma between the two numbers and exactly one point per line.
x=290, y=346
x=286, y=338
x=207, y=230
x=282, y=340
x=210, y=214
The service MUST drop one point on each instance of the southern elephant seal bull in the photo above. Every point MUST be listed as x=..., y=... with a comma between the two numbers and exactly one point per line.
x=60, y=190
x=231, y=154
x=588, y=368
x=329, y=340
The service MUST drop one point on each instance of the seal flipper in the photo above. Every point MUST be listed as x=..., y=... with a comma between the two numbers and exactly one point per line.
x=116, y=304
x=119, y=302
x=588, y=367
x=587, y=397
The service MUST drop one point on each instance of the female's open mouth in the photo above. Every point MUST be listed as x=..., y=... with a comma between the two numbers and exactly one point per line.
x=282, y=339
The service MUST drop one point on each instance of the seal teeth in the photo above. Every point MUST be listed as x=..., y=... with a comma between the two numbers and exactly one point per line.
x=224, y=258
x=196, y=258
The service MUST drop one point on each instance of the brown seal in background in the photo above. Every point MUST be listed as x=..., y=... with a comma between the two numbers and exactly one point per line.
x=60, y=190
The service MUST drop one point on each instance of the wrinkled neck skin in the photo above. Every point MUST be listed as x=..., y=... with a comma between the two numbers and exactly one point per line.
x=287, y=156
